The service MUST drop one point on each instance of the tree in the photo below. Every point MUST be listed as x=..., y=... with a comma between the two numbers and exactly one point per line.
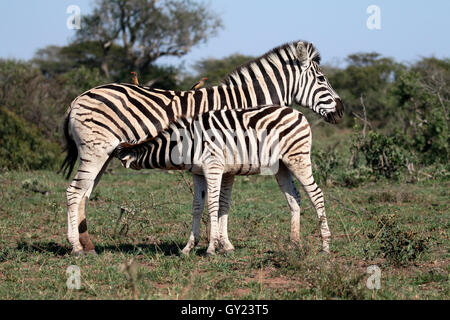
x=147, y=29
x=371, y=76
x=423, y=97
x=215, y=69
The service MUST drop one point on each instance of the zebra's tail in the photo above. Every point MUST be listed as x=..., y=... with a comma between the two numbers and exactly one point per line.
x=70, y=148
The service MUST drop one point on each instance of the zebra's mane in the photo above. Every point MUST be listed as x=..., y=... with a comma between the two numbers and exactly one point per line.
x=289, y=48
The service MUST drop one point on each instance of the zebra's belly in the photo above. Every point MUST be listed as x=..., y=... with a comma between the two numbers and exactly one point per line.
x=195, y=169
x=245, y=169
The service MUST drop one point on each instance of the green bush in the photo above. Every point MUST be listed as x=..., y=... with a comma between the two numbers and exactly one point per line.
x=423, y=115
x=399, y=247
x=33, y=97
x=23, y=146
x=82, y=79
x=383, y=155
x=324, y=163
x=352, y=178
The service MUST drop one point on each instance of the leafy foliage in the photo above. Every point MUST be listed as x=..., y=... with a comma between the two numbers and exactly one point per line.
x=324, y=163
x=24, y=146
x=399, y=247
x=82, y=79
x=147, y=29
x=383, y=155
x=423, y=112
x=368, y=75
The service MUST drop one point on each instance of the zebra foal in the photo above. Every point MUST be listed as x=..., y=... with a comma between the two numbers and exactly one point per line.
x=218, y=145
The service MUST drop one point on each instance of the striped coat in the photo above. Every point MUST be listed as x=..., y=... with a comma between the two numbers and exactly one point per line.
x=106, y=116
x=218, y=145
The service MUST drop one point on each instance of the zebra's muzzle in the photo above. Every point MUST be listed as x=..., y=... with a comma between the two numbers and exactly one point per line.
x=336, y=116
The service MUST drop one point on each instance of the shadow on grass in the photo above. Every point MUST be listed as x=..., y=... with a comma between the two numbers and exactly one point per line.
x=41, y=247
x=166, y=248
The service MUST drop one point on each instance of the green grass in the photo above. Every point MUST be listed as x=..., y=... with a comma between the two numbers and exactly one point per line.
x=155, y=224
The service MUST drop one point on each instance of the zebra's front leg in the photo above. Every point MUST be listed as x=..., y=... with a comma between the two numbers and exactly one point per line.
x=197, y=210
x=213, y=176
x=224, y=202
x=287, y=186
x=303, y=173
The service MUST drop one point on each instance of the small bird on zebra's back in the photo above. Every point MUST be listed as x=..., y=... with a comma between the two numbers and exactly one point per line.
x=199, y=84
x=134, y=78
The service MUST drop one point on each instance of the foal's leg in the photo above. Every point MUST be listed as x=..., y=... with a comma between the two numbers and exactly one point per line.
x=224, y=202
x=287, y=186
x=197, y=210
x=303, y=172
x=213, y=175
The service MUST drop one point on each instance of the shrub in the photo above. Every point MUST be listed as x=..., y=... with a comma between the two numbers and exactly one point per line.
x=424, y=101
x=383, y=155
x=33, y=97
x=399, y=247
x=23, y=146
x=82, y=79
x=324, y=162
x=335, y=282
x=352, y=178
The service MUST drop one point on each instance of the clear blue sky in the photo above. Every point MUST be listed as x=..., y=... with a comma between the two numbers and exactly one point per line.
x=409, y=29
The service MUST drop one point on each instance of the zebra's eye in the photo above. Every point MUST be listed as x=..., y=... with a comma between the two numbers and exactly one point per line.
x=321, y=78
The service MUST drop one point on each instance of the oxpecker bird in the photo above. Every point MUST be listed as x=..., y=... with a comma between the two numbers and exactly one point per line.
x=134, y=78
x=199, y=84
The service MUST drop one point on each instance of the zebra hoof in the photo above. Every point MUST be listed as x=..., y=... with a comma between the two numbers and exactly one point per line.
x=228, y=252
x=210, y=253
x=185, y=252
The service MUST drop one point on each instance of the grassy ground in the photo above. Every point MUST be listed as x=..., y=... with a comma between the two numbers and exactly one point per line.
x=401, y=228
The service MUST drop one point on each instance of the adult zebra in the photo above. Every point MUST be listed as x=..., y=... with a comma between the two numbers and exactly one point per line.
x=100, y=119
x=217, y=145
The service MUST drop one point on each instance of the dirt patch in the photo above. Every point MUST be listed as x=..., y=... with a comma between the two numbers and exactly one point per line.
x=266, y=278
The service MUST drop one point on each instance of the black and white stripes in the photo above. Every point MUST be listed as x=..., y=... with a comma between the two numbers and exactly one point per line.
x=218, y=145
x=106, y=116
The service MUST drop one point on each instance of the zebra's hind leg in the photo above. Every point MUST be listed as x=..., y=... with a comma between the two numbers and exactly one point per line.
x=303, y=172
x=197, y=210
x=86, y=178
x=287, y=186
x=88, y=246
x=224, y=207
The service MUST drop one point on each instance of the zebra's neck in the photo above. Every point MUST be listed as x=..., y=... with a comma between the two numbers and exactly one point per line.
x=228, y=96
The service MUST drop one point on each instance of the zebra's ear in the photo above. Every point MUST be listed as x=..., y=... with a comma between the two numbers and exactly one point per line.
x=302, y=52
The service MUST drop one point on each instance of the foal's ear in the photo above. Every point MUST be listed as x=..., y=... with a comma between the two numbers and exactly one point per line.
x=302, y=52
